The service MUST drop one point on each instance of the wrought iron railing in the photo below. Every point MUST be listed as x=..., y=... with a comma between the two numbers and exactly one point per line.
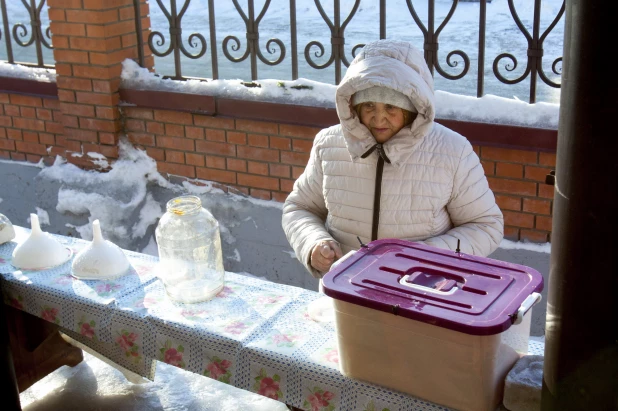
x=177, y=53
x=337, y=57
x=26, y=34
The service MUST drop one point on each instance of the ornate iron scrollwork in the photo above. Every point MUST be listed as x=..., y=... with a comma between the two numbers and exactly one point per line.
x=431, y=42
x=253, y=47
x=337, y=40
x=20, y=30
x=175, y=29
x=535, y=52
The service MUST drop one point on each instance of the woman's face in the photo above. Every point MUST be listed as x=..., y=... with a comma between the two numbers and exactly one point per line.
x=383, y=120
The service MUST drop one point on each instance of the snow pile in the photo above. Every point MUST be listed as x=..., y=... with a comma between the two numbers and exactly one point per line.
x=28, y=73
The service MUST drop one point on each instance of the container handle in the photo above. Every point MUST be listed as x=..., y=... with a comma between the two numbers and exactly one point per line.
x=528, y=303
x=404, y=281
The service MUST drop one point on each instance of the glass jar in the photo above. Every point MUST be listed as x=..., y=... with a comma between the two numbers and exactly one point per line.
x=190, y=257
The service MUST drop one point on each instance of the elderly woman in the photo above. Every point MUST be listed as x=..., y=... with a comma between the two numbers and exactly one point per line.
x=388, y=170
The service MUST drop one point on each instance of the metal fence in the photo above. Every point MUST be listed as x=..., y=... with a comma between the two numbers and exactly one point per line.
x=167, y=41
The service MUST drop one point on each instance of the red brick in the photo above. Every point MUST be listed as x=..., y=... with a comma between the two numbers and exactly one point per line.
x=509, y=170
x=28, y=112
x=14, y=134
x=56, y=15
x=4, y=98
x=155, y=153
x=2, y=132
x=18, y=156
x=81, y=110
x=176, y=169
x=477, y=150
x=508, y=202
x=47, y=139
x=89, y=16
x=33, y=158
x=213, y=122
x=174, y=130
x=120, y=28
x=280, y=143
x=212, y=147
x=547, y=159
x=7, y=145
x=511, y=233
x=489, y=167
x=67, y=29
x=29, y=124
x=509, y=155
x=261, y=194
x=22, y=100
x=302, y=145
x=71, y=56
x=503, y=185
x=6, y=121
x=97, y=73
x=65, y=4
x=262, y=154
x=134, y=125
x=518, y=219
x=97, y=98
x=535, y=236
x=70, y=121
x=183, y=144
x=63, y=69
x=546, y=191
x=108, y=113
x=235, y=137
x=176, y=117
x=279, y=170
x=257, y=140
x=537, y=206
x=298, y=131
x=12, y=111
x=5, y=155
x=55, y=128
x=105, y=4
x=30, y=137
x=135, y=112
x=280, y=197
x=174, y=156
x=66, y=95
x=81, y=135
x=156, y=128
x=215, y=162
x=32, y=148
x=109, y=151
x=44, y=114
x=250, y=180
x=221, y=176
x=543, y=223
x=298, y=159
x=215, y=135
x=99, y=125
x=257, y=168
x=194, y=132
x=106, y=86
x=537, y=173
x=195, y=159
x=108, y=138
x=253, y=126
x=287, y=185
x=143, y=139
x=236, y=164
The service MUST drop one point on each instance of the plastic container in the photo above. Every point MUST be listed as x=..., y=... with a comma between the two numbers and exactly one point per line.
x=40, y=250
x=190, y=257
x=433, y=323
x=99, y=260
x=7, y=232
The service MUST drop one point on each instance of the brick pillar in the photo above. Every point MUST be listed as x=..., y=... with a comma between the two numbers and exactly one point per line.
x=91, y=38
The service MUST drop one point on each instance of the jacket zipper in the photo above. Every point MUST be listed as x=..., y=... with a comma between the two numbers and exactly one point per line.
x=378, y=187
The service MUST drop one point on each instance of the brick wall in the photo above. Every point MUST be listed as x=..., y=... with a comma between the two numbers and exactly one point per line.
x=30, y=127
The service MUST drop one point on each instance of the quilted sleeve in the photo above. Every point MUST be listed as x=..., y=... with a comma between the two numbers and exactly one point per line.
x=304, y=210
x=477, y=219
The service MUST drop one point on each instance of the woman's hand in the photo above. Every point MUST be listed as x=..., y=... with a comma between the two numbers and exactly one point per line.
x=324, y=254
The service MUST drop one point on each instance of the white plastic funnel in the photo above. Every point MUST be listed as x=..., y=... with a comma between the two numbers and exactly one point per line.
x=100, y=260
x=7, y=232
x=40, y=250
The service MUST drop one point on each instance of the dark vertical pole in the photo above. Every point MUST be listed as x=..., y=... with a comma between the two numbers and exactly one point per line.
x=581, y=349
x=480, y=89
x=8, y=381
x=138, y=32
x=213, y=39
x=294, y=40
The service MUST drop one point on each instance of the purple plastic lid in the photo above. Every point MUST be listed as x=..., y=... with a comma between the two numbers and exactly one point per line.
x=461, y=292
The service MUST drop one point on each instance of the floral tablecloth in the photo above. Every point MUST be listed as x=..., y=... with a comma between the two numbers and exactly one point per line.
x=255, y=335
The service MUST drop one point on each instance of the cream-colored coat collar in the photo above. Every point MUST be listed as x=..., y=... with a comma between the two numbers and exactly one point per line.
x=393, y=64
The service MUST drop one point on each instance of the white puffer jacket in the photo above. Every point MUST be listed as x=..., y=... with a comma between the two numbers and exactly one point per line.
x=433, y=191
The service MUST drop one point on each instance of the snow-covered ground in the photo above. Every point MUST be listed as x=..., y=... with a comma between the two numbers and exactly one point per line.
x=461, y=33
